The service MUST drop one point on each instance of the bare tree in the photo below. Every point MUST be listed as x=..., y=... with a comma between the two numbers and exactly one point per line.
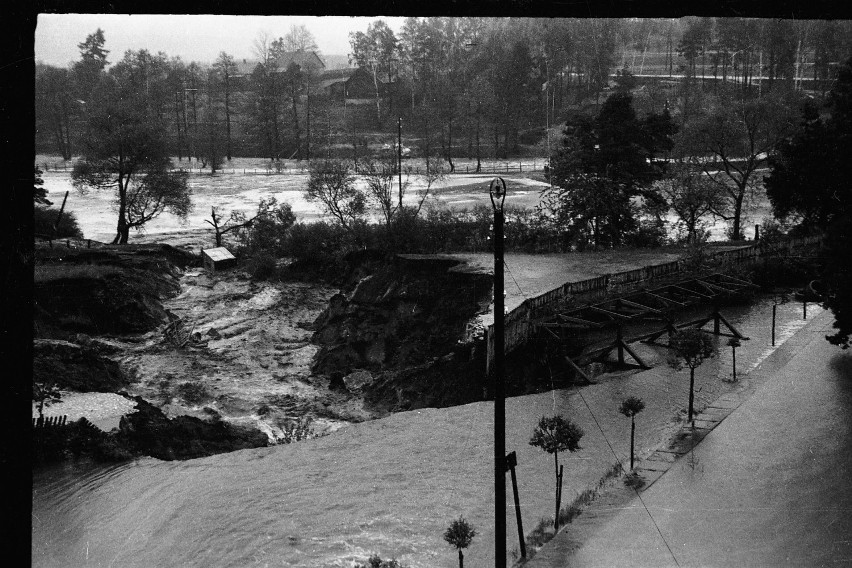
x=299, y=39
x=692, y=196
x=237, y=219
x=731, y=142
x=382, y=185
x=333, y=185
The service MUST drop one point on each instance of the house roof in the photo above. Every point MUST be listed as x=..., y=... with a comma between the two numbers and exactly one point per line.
x=301, y=58
x=339, y=74
x=219, y=253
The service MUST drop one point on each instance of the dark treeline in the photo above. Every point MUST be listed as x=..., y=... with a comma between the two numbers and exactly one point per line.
x=480, y=88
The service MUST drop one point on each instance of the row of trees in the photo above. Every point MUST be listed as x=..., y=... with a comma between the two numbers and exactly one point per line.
x=467, y=86
x=616, y=169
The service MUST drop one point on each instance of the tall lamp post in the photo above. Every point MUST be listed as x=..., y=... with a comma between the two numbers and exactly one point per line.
x=497, y=190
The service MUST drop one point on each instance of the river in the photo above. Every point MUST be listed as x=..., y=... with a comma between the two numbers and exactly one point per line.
x=96, y=213
x=389, y=486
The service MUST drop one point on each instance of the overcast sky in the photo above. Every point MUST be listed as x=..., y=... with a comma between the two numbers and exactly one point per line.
x=191, y=37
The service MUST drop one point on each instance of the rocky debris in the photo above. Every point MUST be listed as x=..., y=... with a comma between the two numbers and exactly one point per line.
x=399, y=337
x=71, y=366
x=150, y=432
x=400, y=315
x=356, y=381
x=177, y=334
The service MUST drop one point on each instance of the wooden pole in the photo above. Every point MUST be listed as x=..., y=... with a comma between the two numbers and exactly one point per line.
x=61, y=210
x=511, y=462
x=774, y=306
x=734, y=356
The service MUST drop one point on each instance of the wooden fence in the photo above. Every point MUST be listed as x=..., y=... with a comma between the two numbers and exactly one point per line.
x=50, y=421
x=491, y=169
x=518, y=322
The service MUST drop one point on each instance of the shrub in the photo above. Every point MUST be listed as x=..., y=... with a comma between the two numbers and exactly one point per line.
x=45, y=217
x=262, y=266
x=375, y=561
x=297, y=431
x=193, y=393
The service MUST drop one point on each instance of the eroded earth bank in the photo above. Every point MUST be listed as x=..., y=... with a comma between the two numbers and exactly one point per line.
x=210, y=362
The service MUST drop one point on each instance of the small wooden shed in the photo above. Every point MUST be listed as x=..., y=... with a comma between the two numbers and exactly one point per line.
x=217, y=259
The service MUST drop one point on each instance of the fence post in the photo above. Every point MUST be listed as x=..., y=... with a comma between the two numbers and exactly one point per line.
x=520, y=167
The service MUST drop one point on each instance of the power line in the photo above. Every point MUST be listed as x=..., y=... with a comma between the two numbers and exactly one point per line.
x=635, y=490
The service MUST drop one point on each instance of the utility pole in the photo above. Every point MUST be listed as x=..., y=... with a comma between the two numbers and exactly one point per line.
x=399, y=159
x=497, y=191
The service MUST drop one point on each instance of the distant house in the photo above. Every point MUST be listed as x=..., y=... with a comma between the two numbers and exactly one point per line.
x=217, y=258
x=356, y=85
x=304, y=59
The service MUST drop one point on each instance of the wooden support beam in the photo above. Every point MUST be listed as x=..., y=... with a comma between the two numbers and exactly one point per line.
x=666, y=300
x=691, y=292
x=580, y=320
x=547, y=329
x=734, y=330
x=633, y=354
x=641, y=306
x=578, y=369
x=608, y=312
x=717, y=287
x=738, y=281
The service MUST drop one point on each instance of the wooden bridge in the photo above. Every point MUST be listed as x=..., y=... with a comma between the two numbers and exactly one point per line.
x=612, y=324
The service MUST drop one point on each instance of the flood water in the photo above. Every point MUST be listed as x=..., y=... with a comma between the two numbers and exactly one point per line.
x=389, y=486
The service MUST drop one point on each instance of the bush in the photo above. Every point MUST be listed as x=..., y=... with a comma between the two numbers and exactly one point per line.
x=193, y=393
x=649, y=234
x=262, y=266
x=45, y=217
x=318, y=246
x=375, y=561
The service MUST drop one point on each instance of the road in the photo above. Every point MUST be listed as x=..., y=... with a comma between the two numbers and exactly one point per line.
x=770, y=486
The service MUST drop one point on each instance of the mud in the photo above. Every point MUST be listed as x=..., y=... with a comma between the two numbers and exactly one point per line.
x=250, y=361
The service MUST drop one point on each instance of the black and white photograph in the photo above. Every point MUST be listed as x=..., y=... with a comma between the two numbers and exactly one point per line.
x=436, y=291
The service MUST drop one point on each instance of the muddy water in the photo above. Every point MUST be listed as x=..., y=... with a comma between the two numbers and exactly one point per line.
x=96, y=213
x=389, y=486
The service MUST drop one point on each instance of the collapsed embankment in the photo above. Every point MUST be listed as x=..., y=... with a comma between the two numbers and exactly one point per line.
x=88, y=303
x=400, y=333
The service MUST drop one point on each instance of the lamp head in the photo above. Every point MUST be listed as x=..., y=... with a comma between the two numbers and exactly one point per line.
x=497, y=190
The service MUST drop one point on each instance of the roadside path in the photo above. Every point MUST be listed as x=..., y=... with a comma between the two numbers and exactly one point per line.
x=766, y=480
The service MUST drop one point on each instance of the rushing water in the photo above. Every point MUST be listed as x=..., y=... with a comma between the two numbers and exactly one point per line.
x=389, y=486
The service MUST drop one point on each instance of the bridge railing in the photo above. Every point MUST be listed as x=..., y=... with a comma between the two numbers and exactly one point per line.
x=518, y=322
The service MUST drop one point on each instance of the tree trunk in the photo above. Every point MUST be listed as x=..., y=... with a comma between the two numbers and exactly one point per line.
x=308, y=127
x=691, y=390
x=478, y=153
x=461, y=559
x=296, y=127
x=228, y=116
x=738, y=210
x=632, y=438
x=177, y=125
